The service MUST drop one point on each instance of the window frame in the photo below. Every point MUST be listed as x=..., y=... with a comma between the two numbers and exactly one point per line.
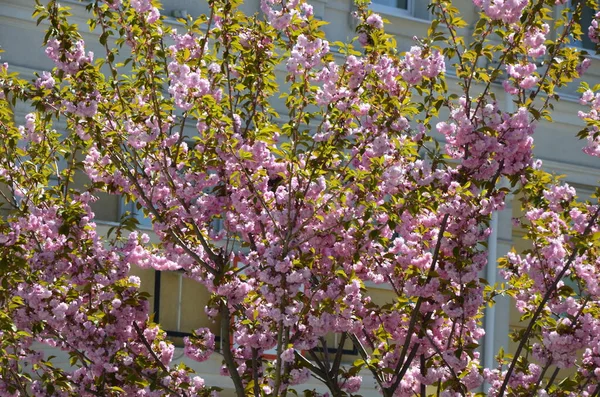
x=395, y=11
x=408, y=13
x=584, y=29
x=144, y=222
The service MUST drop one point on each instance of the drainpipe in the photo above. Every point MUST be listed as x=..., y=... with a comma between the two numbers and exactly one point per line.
x=490, y=312
x=489, y=348
x=179, y=302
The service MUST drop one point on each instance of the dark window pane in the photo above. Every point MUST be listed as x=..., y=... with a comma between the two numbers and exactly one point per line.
x=587, y=16
x=402, y=4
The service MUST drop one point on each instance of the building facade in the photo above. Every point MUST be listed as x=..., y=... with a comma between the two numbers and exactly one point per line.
x=178, y=302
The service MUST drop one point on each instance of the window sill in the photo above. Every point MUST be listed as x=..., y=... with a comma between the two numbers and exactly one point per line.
x=105, y=223
x=591, y=52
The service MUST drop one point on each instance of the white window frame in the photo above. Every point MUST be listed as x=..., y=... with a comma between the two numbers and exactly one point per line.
x=392, y=10
x=409, y=12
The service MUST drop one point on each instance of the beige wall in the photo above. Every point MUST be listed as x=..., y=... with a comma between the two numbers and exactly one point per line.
x=554, y=143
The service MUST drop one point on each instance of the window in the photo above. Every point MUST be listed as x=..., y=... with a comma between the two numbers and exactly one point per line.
x=587, y=16
x=402, y=4
x=406, y=8
x=144, y=222
x=178, y=303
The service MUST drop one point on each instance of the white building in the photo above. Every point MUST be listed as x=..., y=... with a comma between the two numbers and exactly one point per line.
x=179, y=309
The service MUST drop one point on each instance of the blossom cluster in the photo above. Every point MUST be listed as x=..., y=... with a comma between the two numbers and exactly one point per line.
x=593, y=140
x=417, y=65
x=507, y=11
x=69, y=57
x=502, y=147
x=289, y=221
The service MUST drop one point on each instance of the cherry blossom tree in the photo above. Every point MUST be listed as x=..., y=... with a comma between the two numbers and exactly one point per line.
x=345, y=191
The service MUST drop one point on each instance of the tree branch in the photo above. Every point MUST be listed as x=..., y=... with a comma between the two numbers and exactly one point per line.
x=227, y=355
x=542, y=306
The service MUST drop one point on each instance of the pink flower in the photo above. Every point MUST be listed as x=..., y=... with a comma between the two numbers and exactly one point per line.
x=45, y=81
x=375, y=21
x=529, y=82
x=200, y=346
x=352, y=384
x=288, y=355
x=507, y=11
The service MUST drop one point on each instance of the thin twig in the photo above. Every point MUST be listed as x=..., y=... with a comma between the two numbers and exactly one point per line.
x=152, y=353
x=542, y=306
